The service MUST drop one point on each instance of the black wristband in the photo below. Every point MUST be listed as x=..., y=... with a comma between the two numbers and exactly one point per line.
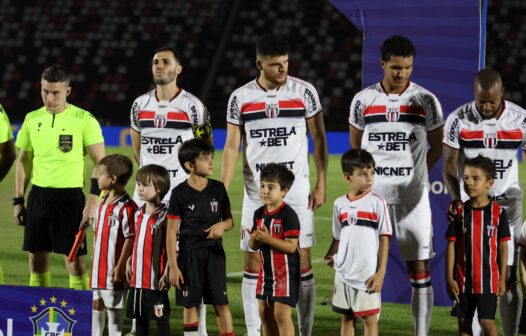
x=18, y=200
x=94, y=190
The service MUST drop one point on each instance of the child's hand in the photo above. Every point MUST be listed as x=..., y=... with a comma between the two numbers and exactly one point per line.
x=176, y=278
x=262, y=234
x=375, y=283
x=215, y=231
x=453, y=291
x=118, y=273
x=502, y=287
x=329, y=260
x=129, y=270
x=164, y=282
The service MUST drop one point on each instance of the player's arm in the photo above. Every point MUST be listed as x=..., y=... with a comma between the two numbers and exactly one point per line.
x=355, y=137
x=96, y=152
x=175, y=277
x=321, y=160
x=230, y=153
x=119, y=272
x=136, y=145
x=434, y=139
x=333, y=248
x=449, y=172
x=503, y=261
x=7, y=157
x=23, y=166
x=375, y=283
x=287, y=245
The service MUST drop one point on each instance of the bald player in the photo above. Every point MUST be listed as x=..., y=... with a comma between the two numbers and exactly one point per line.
x=495, y=128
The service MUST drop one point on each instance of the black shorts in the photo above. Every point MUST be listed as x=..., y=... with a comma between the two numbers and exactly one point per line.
x=485, y=304
x=288, y=300
x=204, y=274
x=53, y=219
x=154, y=304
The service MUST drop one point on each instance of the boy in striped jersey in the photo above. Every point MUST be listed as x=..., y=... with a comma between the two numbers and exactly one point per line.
x=477, y=250
x=113, y=243
x=361, y=230
x=147, y=269
x=275, y=234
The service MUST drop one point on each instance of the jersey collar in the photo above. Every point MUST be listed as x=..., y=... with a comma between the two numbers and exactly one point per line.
x=357, y=198
x=401, y=93
x=262, y=88
x=270, y=213
x=175, y=96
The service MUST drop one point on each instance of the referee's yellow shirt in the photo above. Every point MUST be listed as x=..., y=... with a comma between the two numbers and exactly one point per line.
x=58, y=143
x=6, y=132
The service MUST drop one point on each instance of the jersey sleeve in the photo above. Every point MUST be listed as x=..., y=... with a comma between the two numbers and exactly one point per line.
x=451, y=233
x=452, y=131
x=23, y=140
x=336, y=222
x=291, y=227
x=6, y=132
x=503, y=230
x=384, y=222
x=134, y=116
x=198, y=113
x=311, y=101
x=128, y=219
x=356, y=113
x=233, y=115
x=92, y=133
x=434, y=116
x=174, y=208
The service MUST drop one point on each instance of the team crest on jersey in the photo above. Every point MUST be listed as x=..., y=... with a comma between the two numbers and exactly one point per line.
x=65, y=142
x=352, y=219
x=392, y=114
x=491, y=230
x=159, y=120
x=158, y=310
x=52, y=320
x=277, y=227
x=214, y=206
x=490, y=140
x=112, y=220
x=272, y=110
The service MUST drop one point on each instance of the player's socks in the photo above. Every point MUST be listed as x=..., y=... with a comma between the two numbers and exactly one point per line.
x=421, y=302
x=228, y=334
x=98, y=317
x=202, y=320
x=75, y=282
x=509, y=308
x=250, y=303
x=191, y=329
x=115, y=322
x=86, y=281
x=1, y=276
x=476, y=330
x=306, y=302
x=40, y=279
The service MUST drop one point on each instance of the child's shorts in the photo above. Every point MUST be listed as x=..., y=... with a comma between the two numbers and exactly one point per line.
x=154, y=304
x=485, y=304
x=288, y=300
x=112, y=298
x=351, y=301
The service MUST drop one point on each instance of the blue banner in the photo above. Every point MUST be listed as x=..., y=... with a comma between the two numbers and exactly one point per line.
x=449, y=36
x=40, y=311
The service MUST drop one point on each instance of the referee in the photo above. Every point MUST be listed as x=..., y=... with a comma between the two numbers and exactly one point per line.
x=53, y=142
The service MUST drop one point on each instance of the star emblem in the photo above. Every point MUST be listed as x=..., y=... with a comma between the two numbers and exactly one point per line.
x=72, y=312
x=149, y=149
x=381, y=147
x=263, y=143
x=34, y=309
x=63, y=303
x=53, y=299
x=43, y=302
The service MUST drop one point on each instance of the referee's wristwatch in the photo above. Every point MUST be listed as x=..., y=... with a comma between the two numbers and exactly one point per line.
x=18, y=201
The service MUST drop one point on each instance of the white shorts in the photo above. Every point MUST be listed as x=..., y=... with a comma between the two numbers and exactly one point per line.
x=413, y=228
x=351, y=301
x=111, y=298
x=517, y=230
x=305, y=216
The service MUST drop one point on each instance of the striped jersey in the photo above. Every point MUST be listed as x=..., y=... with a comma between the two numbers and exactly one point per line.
x=279, y=272
x=498, y=139
x=358, y=224
x=275, y=130
x=149, y=248
x=477, y=234
x=395, y=128
x=114, y=222
x=164, y=125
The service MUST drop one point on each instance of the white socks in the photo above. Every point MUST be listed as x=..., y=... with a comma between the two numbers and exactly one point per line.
x=202, y=320
x=97, y=322
x=306, y=303
x=422, y=302
x=250, y=303
x=115, y=322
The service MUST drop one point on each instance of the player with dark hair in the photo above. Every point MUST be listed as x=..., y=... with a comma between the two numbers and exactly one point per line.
x=400, y=123
x=495, y=128
x=271, y=116
x=53, y=142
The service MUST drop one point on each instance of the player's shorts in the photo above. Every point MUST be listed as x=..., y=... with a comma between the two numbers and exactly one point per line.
x=203, y=265
x=306, y=217
x=517, y=230
x=154, y=304
x=351, y=301
x=485, y=304
x=413, y=228
x=53, y=219
x=112, y=298
x=288, y=300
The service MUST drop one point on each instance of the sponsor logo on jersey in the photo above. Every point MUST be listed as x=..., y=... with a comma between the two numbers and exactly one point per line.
x=272, y=110
x=160, y=120
x=357, y=111
x=288, y=164
x=160, y=145
x=392, y=141
x=454, y=130
x=272, y=137
x=490, y=140
x=392, y=114
x=233, y=109
x=65, y=142
x=193, y=114
x=394, y=171
x=214, y=206
x=501, y=167
x=501, y=197
x=309, y=98
x=191, y=207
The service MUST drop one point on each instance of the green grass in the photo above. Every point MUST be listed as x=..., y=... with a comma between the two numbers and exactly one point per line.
x=395, y=318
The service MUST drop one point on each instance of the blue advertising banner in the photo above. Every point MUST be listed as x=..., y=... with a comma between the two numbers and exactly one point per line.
x=42, y=311
x=449, y=36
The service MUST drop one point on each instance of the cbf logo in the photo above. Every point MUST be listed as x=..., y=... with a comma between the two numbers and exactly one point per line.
x=214, y=206
x=159, y=120
x=272, y=110
x=54, y=319
x=490, y=140
x=392, y=114
x=491, y=230
x=277, y=227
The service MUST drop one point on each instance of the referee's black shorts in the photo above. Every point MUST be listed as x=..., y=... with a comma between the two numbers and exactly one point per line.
x=204, y=273
x=53, y=219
